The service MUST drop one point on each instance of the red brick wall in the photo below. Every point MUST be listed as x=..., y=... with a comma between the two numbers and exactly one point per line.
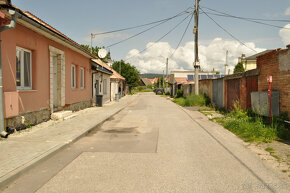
x=268, y=64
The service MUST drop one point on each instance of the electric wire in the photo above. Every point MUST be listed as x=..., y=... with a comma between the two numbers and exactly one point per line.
x=182, y=37
x=246, y=19
x=135, y=35
x=230, y=34
x=272, y=20
x=138, y=26
x=159, y=38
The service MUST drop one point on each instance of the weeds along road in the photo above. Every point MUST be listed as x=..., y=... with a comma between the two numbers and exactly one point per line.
x=153, y=145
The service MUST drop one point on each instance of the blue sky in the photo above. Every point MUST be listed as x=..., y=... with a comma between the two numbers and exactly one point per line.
x=77, y=19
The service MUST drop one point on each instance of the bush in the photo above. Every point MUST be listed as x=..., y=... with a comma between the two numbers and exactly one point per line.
x=179, y=93
x=252, y=127
x=167, y=93
x=179, y=101
x=196, y=100
x=149, y=86
x=140, y=88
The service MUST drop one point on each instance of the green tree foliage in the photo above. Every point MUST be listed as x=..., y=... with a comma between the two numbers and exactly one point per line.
x=128, y=71
x=95, y=52
x=239, y=68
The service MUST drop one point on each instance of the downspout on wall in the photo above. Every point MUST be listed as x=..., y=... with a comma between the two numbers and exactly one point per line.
x=12, y=25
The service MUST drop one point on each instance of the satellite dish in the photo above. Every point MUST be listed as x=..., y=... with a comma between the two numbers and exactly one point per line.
x=102, y=53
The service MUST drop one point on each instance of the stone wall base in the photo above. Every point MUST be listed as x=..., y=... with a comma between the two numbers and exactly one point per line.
x=28, y=119
x=78, y=106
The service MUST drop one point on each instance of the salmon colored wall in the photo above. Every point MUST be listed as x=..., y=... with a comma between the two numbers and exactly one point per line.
x=38, y=97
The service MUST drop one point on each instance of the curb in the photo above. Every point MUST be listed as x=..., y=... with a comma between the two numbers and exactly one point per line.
x=12, y=176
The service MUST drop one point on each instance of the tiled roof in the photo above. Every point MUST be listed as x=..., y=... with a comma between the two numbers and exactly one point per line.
x=183, y=81
x=115, y=74
x=44, y=24
x=254, y=57
x=146, y=81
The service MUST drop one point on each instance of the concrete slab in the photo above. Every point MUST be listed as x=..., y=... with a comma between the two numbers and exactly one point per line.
x=21, y=152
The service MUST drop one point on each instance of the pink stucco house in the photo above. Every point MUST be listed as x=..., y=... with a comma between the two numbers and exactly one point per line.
x=44, y=71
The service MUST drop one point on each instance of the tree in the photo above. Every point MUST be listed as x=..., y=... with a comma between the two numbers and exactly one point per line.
x=239, y=68
x=128, y=71
x=95, y=52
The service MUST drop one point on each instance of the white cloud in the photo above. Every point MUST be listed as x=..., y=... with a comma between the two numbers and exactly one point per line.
x=211, y=56
x=287, y=12
x=285, y=34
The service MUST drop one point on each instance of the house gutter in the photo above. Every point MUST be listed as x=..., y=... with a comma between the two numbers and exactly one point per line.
x=10, y=26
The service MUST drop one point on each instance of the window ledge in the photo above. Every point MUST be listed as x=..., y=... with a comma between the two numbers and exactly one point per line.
x=23, y=90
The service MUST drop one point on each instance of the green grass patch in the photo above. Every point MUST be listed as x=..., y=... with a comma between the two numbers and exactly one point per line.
x=249, y=129
x=192, y=100
x=179, y=101
x=270, y=150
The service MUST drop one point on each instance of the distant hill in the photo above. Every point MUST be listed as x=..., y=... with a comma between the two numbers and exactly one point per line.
x=150, y=75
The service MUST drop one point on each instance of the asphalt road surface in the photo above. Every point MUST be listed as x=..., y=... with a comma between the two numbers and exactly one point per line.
x=153, y=145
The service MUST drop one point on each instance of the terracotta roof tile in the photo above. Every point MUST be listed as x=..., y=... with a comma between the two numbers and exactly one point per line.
x=41, y=22
x=115, y=74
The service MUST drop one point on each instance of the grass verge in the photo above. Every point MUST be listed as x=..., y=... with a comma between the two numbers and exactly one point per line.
x=192, y=100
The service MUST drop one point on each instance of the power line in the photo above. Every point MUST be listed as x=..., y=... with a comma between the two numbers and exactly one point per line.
x=182, y=36
x=159, y=38
x=227, y=31
x=273, y=20
x=138, y=26
x=244, y=18
x=138, y=33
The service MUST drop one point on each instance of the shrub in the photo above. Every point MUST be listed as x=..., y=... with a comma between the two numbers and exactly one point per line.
x=179, y=101
x=195, y=100
x=149, y=86
x=140, y=88
x=167, y=93
x=179, y=93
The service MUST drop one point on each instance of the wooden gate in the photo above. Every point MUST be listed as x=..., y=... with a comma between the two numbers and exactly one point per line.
x=233, y=92
x=252, y=86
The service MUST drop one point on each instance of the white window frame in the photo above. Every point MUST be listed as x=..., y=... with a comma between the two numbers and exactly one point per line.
x=82, y=78
x=22, y=87
x=73, y=76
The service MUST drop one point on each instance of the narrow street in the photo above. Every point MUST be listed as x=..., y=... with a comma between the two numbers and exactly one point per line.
x=153, y=145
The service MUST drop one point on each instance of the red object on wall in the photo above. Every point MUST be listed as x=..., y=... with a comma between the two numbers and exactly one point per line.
x=269, y=80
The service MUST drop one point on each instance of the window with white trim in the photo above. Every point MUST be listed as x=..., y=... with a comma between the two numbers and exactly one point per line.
x=73, y=76
x=82, y=78
x=23, y=69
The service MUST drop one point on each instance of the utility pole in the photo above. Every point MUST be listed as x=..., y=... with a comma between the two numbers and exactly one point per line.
x=163, y=80
x=196, y=60
x=92, y=36
x=166, y=73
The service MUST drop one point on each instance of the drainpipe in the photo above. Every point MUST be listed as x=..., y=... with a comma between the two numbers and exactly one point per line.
x=12, y=25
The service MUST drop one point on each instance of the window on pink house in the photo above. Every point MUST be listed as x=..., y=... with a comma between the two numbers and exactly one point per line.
x=23, y=69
